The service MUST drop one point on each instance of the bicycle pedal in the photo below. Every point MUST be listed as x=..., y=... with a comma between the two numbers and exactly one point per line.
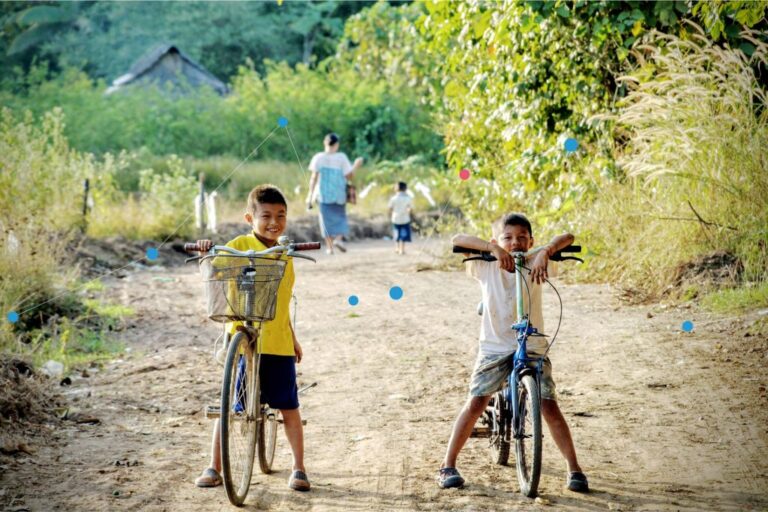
x=212, y=412
x=480, y=432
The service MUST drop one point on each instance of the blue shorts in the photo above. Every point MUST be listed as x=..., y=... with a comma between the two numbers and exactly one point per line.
x=277, y=376
x=401, y=232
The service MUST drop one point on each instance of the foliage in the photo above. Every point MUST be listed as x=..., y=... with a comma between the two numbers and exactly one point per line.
x=375, y=118
x=40, y=210
x=737, y=300
x=106, y=38
x=696, y=126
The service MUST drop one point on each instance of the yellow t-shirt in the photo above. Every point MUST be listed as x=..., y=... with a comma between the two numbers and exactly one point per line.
x=276, y=337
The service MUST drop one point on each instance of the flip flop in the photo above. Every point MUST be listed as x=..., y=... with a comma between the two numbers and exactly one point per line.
x=209, y=478
x=577, y=482
x=340, y=246
x=299, y=481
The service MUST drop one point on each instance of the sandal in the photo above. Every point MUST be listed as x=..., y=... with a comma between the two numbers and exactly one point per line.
x=209, y=478
x=449, y=477
x=577, y=482
x=340, y=245
x=299, y=481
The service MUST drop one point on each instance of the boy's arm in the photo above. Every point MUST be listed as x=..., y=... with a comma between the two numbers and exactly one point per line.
x=296, y=345
x=539, y=266
x=472, y=242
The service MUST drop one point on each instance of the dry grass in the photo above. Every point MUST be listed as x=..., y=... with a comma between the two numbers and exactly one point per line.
x=696, y=121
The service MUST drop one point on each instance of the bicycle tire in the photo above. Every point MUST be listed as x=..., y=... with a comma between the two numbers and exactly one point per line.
x=267, y=439
x=239, y=418
x=499, y=424
x=528, y=436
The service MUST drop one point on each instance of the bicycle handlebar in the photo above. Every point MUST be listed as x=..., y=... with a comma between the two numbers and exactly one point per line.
x=487, y=256
x=285, y=246
x=289, y=247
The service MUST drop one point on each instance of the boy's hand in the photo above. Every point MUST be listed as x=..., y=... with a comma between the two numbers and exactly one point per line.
x=358, y=161
x=299, y=352
x=204, y=245
x=506, y=262
x=539, y=267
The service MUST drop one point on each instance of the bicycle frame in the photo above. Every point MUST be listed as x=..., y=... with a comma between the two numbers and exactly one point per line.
x=520, y=360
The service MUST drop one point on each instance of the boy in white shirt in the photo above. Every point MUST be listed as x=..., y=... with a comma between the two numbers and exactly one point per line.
x=498, y=340
x=400, y=206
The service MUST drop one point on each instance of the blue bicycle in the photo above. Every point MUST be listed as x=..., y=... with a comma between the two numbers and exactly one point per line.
x=514, y=413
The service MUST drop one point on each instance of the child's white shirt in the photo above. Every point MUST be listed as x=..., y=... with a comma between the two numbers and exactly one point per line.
x=500, y=308
x=400, y=204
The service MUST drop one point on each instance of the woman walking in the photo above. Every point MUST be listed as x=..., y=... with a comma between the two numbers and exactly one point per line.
x=333, y=170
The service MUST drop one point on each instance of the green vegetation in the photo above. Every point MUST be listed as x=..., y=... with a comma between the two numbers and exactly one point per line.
x=667, y=101
x=737, y=300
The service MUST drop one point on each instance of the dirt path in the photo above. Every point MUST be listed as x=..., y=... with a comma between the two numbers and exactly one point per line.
x=662, y=420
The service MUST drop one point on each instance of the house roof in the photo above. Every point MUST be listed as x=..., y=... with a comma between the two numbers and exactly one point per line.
x=149, y=59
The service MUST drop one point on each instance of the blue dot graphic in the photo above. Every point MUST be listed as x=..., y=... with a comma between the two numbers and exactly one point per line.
x=571, y=145
x=282, y=122
x=12, y=317
x=688, y=326
x=396, y=293
x=152, y=254
x=353, y=300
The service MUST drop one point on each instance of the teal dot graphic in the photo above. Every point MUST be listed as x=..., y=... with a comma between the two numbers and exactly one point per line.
x=396, y=293
x=353, y=300
x=152, y=253
x=688, y=326
x=12, y=317
x=282, y=122
x=571, y=145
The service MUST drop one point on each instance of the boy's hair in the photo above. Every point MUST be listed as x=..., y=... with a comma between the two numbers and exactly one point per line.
x=402, y=186
x=512, y=219
x=331, y=138
x=265, y=194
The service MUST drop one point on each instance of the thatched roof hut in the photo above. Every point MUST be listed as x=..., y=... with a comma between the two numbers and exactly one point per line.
x=167, y=64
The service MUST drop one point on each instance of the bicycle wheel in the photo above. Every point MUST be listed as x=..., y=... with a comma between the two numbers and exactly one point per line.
x=499, y=423
x=268, y=438
x=528, y=436
x=239, y=417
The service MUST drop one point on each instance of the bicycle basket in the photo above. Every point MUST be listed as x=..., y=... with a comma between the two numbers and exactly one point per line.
x=241, y=289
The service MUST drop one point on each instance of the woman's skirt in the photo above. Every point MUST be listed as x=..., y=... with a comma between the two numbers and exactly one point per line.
x=333, y=219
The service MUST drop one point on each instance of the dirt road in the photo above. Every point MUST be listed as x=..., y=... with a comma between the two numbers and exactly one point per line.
x=662, y=420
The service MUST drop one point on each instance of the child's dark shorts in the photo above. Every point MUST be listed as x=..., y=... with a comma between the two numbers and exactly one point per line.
x=401, y=232
x=277, y=376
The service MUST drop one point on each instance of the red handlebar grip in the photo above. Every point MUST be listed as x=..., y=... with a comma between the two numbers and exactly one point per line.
x=192, y=247
x=307, y=246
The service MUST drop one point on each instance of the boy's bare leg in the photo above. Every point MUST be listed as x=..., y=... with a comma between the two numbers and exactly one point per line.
x=207, y=479
x=561, y=434
x=216, y=446
x=294, y=431
x=329, y=244
x=462, y=428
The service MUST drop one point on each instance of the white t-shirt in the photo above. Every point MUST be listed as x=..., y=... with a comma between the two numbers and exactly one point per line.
x=333, y=169
x=400, y=204
x=500, y=308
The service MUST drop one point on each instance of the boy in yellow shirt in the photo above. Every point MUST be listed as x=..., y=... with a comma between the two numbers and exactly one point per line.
x=267, y=214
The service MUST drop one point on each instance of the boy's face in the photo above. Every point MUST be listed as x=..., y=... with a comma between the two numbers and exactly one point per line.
x=269, y=221
x=515, y=238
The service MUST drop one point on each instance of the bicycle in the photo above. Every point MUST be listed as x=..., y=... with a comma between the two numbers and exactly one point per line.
x=242, y=286
x=514, y=412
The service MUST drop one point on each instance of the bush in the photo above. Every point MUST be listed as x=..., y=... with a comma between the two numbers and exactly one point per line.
x=696, y=126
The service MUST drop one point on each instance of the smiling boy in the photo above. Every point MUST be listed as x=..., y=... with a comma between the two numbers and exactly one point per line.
x=498, y=341
x=267, y=214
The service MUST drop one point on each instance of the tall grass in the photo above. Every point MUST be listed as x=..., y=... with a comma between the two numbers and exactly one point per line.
x=695, y=160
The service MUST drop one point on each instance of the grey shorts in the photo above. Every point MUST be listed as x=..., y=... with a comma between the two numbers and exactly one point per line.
x=491, y=372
